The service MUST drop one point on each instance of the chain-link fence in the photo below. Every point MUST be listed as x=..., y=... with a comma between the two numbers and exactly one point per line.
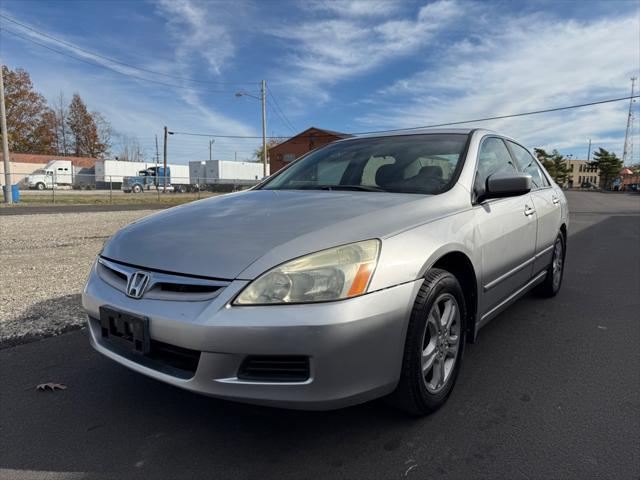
x=43, y=187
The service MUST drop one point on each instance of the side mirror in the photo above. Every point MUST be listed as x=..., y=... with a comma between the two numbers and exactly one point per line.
x=507, y=184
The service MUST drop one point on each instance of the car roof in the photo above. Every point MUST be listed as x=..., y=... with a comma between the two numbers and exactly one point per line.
x=417, y=131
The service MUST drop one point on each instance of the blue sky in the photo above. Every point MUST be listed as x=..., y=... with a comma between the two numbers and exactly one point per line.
x=343, y=65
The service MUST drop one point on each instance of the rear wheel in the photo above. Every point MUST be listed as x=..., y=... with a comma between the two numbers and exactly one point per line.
x=434, y=345
x=555, y=271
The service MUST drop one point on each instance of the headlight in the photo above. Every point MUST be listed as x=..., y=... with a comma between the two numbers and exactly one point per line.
x=332, y=274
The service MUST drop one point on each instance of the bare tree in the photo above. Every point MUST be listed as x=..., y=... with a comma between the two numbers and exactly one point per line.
x=129, y=149
x=61, y=112
x=104, y=132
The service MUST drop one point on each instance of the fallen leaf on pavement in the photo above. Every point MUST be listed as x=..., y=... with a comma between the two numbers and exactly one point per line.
x=51, y=386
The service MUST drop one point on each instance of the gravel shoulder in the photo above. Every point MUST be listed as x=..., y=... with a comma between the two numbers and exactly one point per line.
x=45, y=261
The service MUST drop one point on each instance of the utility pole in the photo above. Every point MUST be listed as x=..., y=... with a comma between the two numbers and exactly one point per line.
x=589, y=151
x=8, y=193
x=627, y=153
x=263, y=101
x=211, y=142
x=263, y=91
x=157, y=153
x=164, y=182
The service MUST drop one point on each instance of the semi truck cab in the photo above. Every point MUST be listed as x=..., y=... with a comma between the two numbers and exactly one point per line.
x=151, y=178
x=56, y=172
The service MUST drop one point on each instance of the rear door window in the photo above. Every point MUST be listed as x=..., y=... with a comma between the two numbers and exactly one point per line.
x=529, y=165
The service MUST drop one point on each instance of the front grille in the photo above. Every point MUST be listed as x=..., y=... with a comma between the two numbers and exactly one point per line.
x=275, y=368
x=162, y=285
x=186, y=288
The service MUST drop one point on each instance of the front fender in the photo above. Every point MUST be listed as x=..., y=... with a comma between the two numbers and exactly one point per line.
x=407, y=256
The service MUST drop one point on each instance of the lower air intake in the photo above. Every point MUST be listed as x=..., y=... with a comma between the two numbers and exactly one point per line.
x=275, y=368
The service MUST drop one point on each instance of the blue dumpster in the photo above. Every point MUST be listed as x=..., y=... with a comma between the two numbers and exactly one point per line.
x=15, y=192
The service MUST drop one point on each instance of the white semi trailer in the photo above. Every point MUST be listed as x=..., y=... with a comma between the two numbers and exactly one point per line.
x=221, y=172
x=109, y=173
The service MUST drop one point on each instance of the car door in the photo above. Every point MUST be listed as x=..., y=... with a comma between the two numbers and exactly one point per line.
x=546, y=203
x=505, y=230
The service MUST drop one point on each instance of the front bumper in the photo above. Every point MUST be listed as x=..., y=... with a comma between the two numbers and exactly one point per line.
x=355, y=346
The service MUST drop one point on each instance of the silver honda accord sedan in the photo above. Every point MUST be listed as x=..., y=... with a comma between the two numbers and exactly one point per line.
x=358, y=271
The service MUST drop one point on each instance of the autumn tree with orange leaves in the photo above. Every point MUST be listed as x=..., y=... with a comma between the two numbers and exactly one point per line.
x=30, y=122
x=34, y=127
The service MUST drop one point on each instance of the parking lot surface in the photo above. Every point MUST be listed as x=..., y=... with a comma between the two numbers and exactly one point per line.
x=551, y=390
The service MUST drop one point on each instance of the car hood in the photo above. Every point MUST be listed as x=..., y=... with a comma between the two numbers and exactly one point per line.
x=223, y=237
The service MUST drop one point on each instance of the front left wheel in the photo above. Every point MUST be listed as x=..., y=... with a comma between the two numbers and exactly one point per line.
x=434, y=345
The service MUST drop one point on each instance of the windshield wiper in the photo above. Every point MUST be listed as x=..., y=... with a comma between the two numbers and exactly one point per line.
x=362, y=188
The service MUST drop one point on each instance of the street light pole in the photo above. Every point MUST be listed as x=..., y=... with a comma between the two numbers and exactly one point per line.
x=263, y=101
x=211, y=142
x=8, y=192
x=164, y=163
x=263, y=91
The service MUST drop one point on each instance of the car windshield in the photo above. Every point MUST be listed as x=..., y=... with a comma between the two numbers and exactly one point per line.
x=39, y=172
x=423, y=164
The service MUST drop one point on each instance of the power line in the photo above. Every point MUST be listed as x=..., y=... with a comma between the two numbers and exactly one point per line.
x=113, y=69
x=435, y=125
x=271, y=110
x=499, y=117
x=281, y=114
x=113, y=60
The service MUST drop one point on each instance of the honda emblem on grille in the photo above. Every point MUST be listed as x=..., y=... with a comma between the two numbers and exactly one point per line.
x=137, y=284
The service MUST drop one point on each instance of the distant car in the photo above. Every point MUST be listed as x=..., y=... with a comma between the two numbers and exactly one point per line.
x=588, y=186
x=358, y=271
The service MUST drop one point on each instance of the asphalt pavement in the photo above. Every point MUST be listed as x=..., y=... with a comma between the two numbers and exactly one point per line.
x=551, y=390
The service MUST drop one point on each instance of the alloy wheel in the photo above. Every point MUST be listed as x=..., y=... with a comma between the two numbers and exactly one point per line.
x=557, y=263
x=440, y=342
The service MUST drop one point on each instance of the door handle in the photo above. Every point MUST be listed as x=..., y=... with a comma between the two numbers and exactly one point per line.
x=528, y=211
x=555, y=200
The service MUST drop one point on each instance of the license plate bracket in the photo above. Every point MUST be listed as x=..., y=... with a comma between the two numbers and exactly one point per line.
x=125, y=330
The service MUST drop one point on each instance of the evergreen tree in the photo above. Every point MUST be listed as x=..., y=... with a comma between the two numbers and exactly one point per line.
x=608, y=164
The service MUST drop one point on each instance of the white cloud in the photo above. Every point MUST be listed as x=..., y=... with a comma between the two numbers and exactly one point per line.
x=350, y=43
x=522, y=66
x=357, y=8
x=196, y=33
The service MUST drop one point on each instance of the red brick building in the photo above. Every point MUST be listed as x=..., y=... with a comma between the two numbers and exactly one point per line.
x=287, y=151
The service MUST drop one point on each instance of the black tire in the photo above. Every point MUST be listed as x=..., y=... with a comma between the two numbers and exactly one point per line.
x=40, y=186
x=411, y=393
x=181, y=189
x=550, y=287
x=136, y=189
